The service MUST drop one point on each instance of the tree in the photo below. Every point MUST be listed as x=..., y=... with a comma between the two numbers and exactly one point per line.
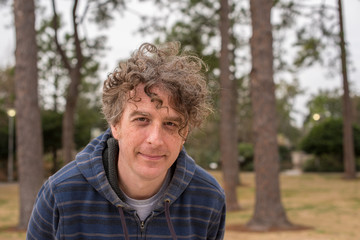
x=74, y=60
x=348, y=144
x=75, y=81
x=269, y=212
x=28, y=124
x=228, y=123
x=315, y=40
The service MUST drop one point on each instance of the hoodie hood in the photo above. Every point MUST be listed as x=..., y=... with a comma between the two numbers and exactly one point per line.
x=91, y=166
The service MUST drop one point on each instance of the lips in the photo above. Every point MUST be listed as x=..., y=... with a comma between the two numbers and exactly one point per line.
x=152, y=157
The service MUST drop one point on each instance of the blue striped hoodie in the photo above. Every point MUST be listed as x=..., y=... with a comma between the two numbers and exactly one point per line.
x=78, y=202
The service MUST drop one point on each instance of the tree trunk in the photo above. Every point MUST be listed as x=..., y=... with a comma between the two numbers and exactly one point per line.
x=28, y=123
x=269, y=212
x=68, y=124
x=228, y=127
x=348, y=140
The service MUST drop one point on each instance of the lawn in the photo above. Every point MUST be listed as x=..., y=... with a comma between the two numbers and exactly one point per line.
x=327, y=204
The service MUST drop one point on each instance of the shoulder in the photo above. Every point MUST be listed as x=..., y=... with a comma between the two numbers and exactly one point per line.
x=204, y=180
x=197, y=180
x=68, y=173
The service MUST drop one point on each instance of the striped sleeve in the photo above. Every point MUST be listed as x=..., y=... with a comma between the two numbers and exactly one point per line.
x=218, y=229
x=44, y=219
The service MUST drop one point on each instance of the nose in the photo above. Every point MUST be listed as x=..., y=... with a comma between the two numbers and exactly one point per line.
x=155, y=135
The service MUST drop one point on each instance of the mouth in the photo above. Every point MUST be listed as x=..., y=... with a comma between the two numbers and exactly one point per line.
x=152, y=157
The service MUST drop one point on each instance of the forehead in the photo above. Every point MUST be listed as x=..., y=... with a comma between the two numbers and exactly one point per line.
x=137, y=98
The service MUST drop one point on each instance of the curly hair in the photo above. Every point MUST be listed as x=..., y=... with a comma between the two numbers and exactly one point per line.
x=179, y=74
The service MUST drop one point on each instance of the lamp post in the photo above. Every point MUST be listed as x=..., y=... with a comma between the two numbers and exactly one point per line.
x=11, y=113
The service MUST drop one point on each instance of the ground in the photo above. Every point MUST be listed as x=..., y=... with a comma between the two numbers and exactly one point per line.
x=327, y=205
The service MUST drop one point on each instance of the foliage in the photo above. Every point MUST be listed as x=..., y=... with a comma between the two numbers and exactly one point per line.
x=54, y=77
x=246, y=156
x=326, y=138
x=7, y=91
x=88, y=117
x=4, y=135
x=203, y=144
x=52, y=128
x=7, y=100
x=324, y=163
x=318, y=34
x=246, y=151
x=327, y=103
x=286, y=92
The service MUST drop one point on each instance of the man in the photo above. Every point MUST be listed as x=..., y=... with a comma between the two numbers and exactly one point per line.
x=136, y=181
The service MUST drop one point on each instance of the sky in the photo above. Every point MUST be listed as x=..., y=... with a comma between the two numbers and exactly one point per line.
x=123, y=40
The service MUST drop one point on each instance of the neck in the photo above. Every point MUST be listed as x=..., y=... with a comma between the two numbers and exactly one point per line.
x=139, y=189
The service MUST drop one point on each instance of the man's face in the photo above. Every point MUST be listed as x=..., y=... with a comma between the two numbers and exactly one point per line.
x=148, y=137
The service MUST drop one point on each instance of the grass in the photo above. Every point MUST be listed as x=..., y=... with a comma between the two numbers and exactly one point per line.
x=326, y=203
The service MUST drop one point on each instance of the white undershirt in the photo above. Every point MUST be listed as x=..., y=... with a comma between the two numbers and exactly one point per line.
x=144, y=207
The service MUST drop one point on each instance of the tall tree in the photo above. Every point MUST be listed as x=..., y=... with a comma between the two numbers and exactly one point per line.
x=75, y=81
x=348, y=140
x=228, y=105
x=269, y=212
x=323, y=33
x=74, y=59
x=28, y=124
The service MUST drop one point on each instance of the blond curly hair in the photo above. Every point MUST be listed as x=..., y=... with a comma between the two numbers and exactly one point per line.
x=180, y=74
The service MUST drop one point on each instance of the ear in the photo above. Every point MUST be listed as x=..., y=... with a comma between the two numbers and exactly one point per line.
x=186, y=134
x=114, y=131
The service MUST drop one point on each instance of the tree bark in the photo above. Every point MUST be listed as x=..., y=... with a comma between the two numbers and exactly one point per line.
x=269, y=212
x=28, y=123
x=72, y=94
x=228, y=125
x=348, y=140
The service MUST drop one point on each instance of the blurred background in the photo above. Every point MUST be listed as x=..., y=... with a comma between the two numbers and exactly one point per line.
x=316, y=77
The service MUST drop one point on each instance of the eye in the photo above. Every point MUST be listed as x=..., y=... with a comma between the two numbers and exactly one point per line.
x=141, y=119
x=171, y=124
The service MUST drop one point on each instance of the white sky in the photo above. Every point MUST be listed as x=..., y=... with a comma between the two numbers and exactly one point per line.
x=123, y=43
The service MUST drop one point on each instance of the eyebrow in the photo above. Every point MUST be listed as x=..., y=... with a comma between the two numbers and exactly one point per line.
x=146, y=114
x=139, y=113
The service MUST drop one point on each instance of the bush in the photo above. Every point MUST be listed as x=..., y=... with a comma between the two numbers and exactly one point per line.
x=326, y=138
x=324, y=163
x=246, y=157
x=325, y=141
x=285, y=157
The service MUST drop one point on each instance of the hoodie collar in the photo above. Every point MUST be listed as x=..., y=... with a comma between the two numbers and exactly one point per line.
x=90, y=164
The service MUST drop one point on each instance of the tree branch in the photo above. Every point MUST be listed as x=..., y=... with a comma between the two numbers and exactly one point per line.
x=64, y=58
x=79, y=55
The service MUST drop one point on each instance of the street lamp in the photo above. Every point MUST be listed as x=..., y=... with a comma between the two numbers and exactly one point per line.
x=11, y=113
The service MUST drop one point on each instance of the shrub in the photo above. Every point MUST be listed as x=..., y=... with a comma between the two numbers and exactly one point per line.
x=325, y=141
x=246, y=157
x=324, y=163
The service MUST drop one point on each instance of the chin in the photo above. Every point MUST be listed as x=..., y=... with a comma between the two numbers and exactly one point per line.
x=150, y=174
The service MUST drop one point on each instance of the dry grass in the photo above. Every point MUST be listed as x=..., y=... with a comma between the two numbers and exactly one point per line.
x=325, y=202
x=9, y=212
